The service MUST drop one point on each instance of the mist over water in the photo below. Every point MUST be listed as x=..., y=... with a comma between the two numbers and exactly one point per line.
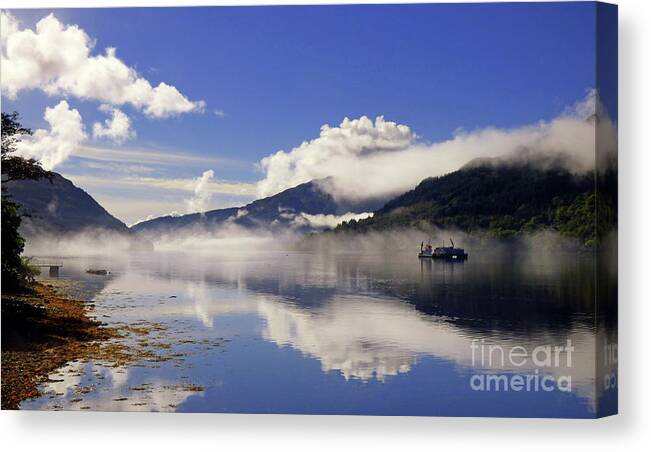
x=336, y=328
x=234, y=239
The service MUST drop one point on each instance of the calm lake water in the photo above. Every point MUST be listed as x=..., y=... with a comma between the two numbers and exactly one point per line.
x=289, y=332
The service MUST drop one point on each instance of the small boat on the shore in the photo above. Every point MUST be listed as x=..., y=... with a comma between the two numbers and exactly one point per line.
x=443, y=252
x=98, y=271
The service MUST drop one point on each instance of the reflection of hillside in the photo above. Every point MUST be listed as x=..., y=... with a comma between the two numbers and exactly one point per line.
x=509, y=296
x=359, y=336
x=369, y=318
x=514, y=295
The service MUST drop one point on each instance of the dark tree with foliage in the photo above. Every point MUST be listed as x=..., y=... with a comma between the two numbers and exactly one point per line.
x=15, y=271
x=15, y=167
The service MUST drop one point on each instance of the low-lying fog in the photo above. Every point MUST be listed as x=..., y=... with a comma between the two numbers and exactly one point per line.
x=233, y=239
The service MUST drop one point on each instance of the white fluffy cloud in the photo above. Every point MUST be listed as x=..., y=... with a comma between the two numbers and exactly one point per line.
x=116, y=128
x=202, y=193
x=350, y=143
x=322, y=221
x=57, y=59
x=53, y=146
x=366, y=159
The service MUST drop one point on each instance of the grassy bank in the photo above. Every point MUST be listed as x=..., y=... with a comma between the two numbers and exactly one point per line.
x=41, y=331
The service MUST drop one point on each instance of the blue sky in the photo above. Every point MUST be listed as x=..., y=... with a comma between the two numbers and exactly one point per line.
x=270, y=77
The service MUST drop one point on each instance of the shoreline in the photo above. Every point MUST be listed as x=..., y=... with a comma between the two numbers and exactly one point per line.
x=42, y=331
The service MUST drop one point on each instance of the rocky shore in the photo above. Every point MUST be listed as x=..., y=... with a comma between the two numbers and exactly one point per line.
x=41, y=331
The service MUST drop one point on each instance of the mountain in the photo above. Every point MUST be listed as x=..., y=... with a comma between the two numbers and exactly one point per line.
x=498, y=197
x=57, y=206
x=279, y=211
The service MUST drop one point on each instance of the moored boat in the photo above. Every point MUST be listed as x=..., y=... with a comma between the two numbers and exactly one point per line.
x=98, y=271
x=425, y=250
x=442, y=252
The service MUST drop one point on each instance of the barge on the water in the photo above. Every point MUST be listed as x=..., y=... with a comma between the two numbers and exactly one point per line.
x=443, y=252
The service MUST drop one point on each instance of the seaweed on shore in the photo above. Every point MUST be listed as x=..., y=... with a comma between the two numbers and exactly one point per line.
x=41, y=331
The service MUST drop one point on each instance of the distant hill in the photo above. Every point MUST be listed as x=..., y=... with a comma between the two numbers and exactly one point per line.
x=275, y=212
x=497, y=197
x=57, y=206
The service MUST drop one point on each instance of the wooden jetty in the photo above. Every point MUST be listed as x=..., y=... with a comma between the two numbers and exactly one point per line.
x=52, y=265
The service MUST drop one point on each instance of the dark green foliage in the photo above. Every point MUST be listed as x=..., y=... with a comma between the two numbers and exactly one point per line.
x=16, y=272
x=14, y=167
x=606, y=201
x=501, y=201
